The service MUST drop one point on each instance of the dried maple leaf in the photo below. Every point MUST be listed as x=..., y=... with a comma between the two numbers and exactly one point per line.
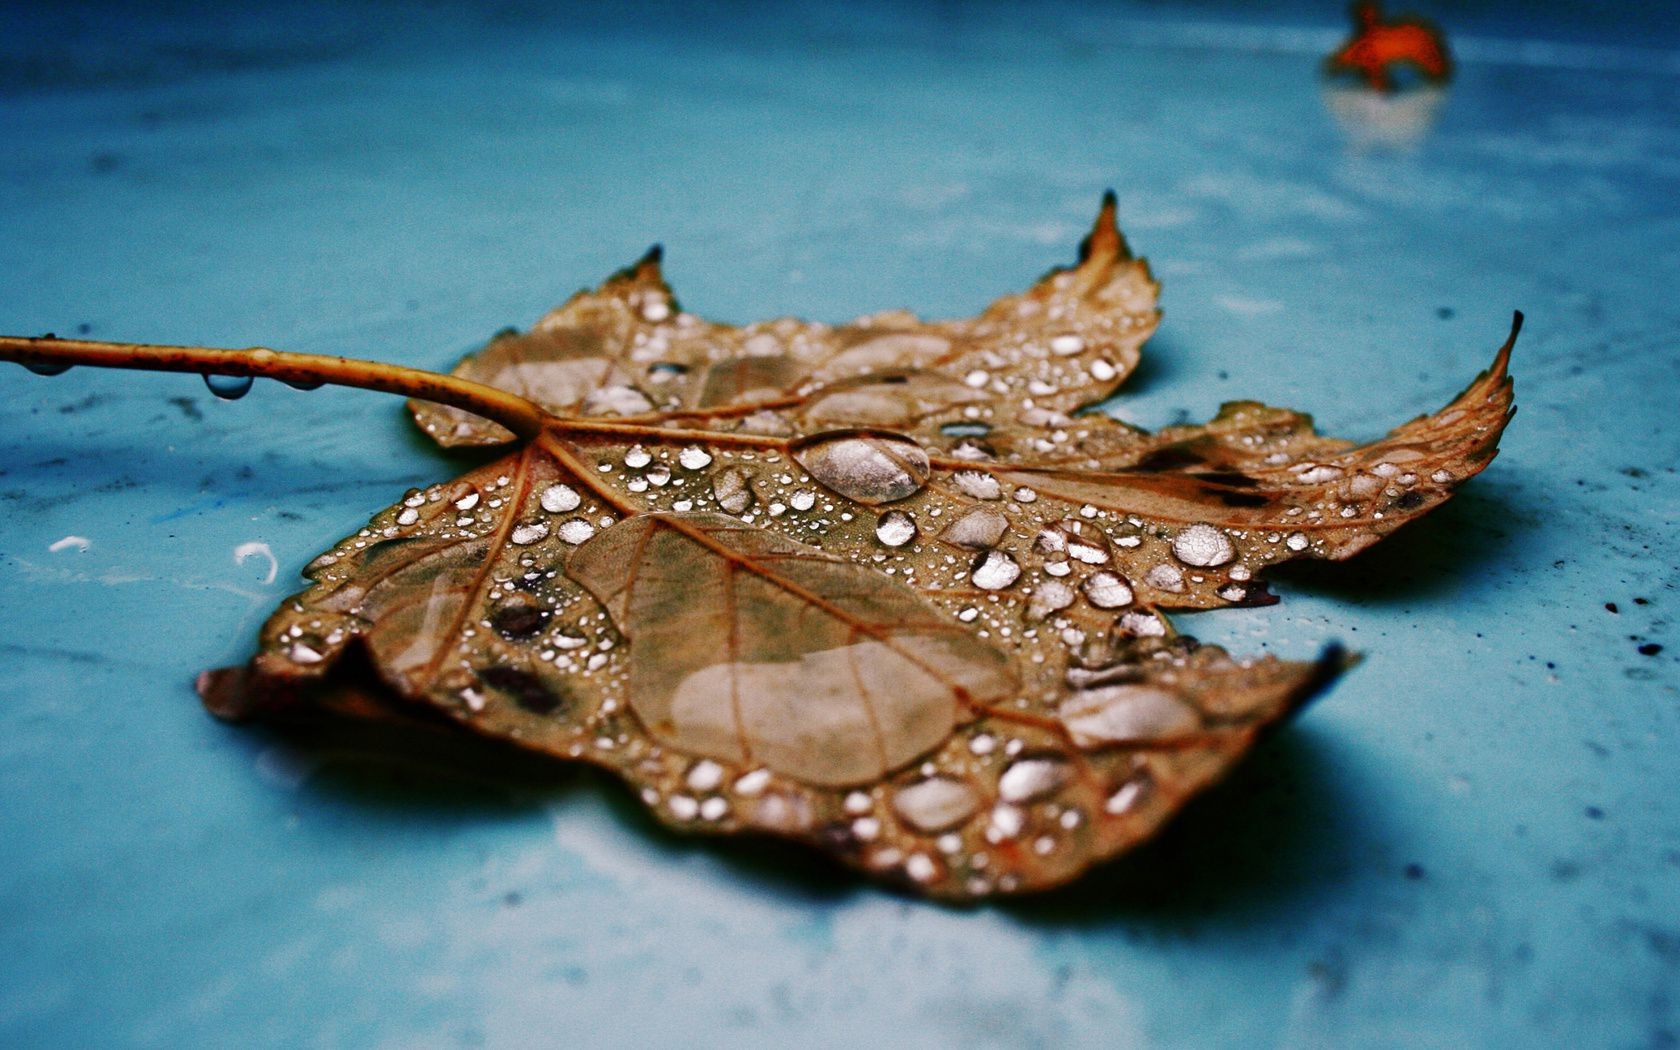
x=756, y=574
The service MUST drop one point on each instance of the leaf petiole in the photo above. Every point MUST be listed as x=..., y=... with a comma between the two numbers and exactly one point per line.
x=524, y=418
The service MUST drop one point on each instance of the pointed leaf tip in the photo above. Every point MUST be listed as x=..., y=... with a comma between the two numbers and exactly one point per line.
x=1104, y=243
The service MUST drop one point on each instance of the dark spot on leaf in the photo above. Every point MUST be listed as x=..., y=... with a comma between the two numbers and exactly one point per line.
x=524, y=689
x=1172, y=457
x=1231, y=478
x=1409, y=501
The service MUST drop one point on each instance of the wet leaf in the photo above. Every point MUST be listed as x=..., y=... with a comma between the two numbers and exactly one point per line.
x=882, y=588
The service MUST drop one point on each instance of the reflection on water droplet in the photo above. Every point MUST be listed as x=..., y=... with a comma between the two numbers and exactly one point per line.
x=559, y=498
x=994, y=571
x=978, y=485
x=1203, y=545
x=1119, y=713
x=576, y=531
x=979, y=529
x=732, y=490
x=47, y=368
x=1106, y=590
x=659, y=475
x=694, y=457
x=467, y=502
x=529, y=533
x=1031, y=778
x=1051, y=596
x=870, y=468
x=1165, y=578
x=895, y=528
x=804, y=499
x=228, y=388
x=936, y=804
x=637, y=457
x=304, y=384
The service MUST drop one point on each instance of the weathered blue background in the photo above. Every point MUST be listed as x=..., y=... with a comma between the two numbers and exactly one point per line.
x=397, y=181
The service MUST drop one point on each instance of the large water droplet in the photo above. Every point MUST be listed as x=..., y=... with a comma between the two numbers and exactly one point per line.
x=694, y=457
x=936, y=804
x=980, y=486
x=994, y=571
x=47, y=368
x=529, y=533
x=1126, y=712
x=1203, y=545
x=979, y=529
x=1106, y=590
x=871, y=468
x=637, y=457
x=1032, y=778
x=1051, y=596
x=895, y=528
x=576, y=531
x=228, y=388
x=732, y=489
x=560, y=498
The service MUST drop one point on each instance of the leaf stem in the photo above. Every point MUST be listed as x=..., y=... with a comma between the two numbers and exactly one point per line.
x=517, y=414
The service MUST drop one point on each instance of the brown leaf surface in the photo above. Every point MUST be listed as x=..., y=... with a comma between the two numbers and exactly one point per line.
x=772, y=593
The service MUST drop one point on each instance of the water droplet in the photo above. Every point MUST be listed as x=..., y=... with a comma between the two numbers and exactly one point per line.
x=467, y=502
x=655, y=311
x=994, y=571
x=228, y=388
x=977, y=485
x=1025, y=495
x=683, y=807
x=1106, y=590
x=576, y=531
x=1296, y=541
x=1051, y=596
x=408, y=517
x=1032, y=778
x=1165, y=578
x=1066, y=345
x=895, y=528
x=751, y=785
x=1141, y=625
x=560, y=498
x=529, y=533
x=714, y=808
x=694, y=458
x=1203, y=545
x=979, y=529
x=804, y=499
x=637, y=457
x=921, y=867
x=705, y=775
x=659, y=475
x=732, y=490
x=1127, y=712
x=304, y=384
x=869, y=468
x=935, y=804
x=1125, y=798
x=1441, y=477
x=47, y=368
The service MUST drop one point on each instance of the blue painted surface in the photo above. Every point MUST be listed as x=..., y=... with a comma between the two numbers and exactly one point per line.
x=1474, y=840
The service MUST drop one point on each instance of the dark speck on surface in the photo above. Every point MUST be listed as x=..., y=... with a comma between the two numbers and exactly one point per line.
x=1650, y=649
x=1414, y=871
x=1445, y=313
x=188, y=407
x=1610, y=607
x=1594, y=813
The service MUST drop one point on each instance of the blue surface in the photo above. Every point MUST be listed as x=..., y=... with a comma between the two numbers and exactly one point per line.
x=1474, y=840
